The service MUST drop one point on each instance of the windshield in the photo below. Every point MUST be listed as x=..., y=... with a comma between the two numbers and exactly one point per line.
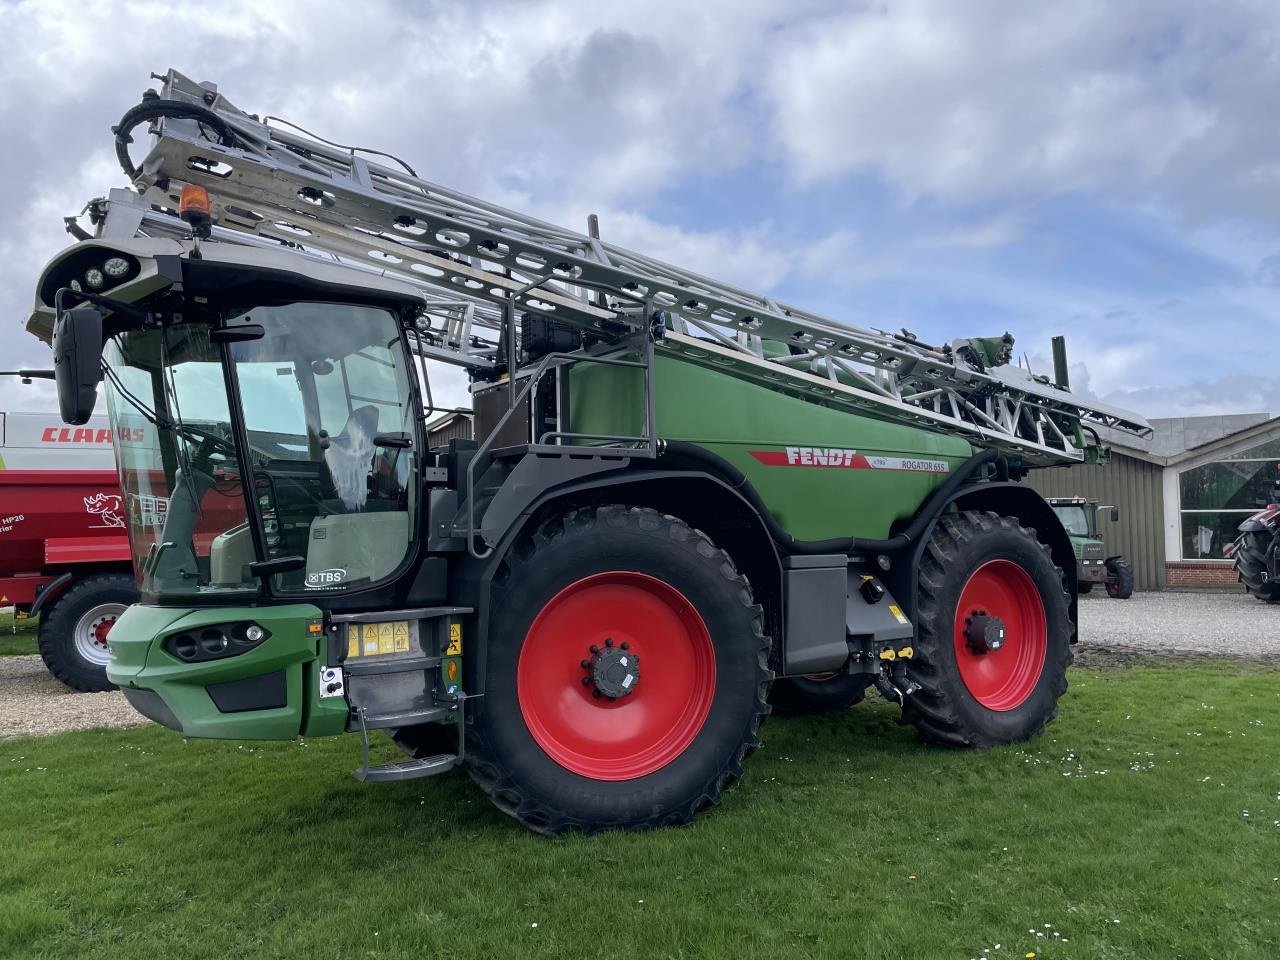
x=1074, y=518
x=327, y=452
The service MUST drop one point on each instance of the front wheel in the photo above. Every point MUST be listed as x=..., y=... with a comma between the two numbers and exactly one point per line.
x=74, y=628
x=627, y=675
x=993, y=634
x=1119, y=579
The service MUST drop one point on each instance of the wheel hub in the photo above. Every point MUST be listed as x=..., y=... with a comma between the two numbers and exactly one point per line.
x=101, y=628
x=983, y=633
x=613, y=672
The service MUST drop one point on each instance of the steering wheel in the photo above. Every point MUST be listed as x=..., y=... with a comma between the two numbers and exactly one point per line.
x=209, y=442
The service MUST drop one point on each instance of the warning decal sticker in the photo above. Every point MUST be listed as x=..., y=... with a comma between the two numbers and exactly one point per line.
x=847, y=459
x=374, y=639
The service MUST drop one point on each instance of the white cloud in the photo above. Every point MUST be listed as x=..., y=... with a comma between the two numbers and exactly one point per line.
x=960, y=101
x=994, y=232
x=976, y=112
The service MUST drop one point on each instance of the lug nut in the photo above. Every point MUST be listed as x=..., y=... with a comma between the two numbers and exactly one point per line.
x=586, y=682
x=594, y=648
x=625, y=645
x=586, y=664
x=608, y=641
x=595, y=694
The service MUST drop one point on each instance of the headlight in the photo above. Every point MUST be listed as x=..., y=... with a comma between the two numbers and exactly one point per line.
x=116, y=267
x=94, y=278
x=75, y=285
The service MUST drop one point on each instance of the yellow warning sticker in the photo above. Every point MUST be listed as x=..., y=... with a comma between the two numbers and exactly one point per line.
x=898, y=614
x=455, y=640
x=373, y=639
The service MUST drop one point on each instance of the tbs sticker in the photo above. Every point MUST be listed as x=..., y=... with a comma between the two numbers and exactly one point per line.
x=325, y=578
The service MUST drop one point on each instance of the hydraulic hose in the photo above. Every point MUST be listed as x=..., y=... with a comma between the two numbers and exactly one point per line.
x=153, y=108
x=789, y=544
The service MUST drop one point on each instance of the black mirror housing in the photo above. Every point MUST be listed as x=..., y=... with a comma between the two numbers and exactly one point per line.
x=77, y=361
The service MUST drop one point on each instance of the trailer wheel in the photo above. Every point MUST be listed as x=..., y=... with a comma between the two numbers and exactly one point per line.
x=1251, y=565
x=627, y=675
x=993, y=634
x=74, y=627
x=1119, y=579
x=817, y=693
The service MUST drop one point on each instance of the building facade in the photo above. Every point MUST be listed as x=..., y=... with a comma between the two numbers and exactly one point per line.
x=1181, y=494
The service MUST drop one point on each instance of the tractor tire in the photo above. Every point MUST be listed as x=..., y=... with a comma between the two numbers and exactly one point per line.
x=1119, y=579
x=1083, y=587
x=626, y=675
x=1251, y=565
x=74, y=627
x=817, y=693
x=993, y=634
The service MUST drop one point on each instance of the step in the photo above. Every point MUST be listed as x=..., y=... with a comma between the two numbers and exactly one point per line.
x=408, y=769
x=408, y=718
x=373, y=667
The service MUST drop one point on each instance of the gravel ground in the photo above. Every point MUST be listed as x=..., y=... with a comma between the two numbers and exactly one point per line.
x=1225, y=624
x=32, y=703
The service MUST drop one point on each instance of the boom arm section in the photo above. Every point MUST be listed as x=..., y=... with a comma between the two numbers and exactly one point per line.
x=476, y=261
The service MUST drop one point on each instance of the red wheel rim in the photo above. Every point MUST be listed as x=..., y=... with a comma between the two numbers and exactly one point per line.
x=1002, y=679
x=641, y=732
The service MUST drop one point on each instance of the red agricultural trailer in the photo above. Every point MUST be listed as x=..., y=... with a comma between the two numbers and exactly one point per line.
x=64, y=548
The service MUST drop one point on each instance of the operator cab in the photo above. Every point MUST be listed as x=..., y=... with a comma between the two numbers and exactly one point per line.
x=287, y=447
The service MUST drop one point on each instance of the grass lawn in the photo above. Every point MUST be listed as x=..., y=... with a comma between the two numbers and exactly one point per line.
x=1144, y=823
x=21, y=641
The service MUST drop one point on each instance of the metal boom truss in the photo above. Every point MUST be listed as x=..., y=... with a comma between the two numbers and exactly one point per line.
x=476, y=261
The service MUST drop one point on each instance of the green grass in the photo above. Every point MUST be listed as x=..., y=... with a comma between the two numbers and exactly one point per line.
x=1123, y=827
x=17, y=637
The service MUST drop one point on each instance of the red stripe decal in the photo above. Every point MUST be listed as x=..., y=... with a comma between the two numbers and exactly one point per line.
x=846, y=459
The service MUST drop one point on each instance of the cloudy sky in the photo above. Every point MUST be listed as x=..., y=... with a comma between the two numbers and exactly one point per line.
x=1106, y=170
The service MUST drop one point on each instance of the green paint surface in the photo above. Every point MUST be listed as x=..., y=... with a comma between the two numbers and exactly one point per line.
x=140, y=660
x=735, y=418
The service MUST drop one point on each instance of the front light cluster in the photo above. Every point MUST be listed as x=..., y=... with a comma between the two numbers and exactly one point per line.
x=104, y=275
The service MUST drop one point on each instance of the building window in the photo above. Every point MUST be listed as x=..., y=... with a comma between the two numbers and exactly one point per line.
x=1215, y=497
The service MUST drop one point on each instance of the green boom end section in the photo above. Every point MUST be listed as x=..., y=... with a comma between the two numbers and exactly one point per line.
x=270, y=691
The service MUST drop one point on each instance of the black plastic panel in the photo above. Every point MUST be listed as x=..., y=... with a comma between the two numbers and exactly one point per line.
x=264, y=692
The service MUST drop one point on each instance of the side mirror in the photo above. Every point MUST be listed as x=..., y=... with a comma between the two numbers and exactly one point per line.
x=1115, y=513
x=77, y=361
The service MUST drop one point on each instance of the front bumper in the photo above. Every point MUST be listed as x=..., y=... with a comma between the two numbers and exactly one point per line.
x=1091, y=571
x=267, y=692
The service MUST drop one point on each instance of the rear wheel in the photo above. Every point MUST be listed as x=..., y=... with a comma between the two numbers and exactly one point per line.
x=626, y=675
x=817, y=693
x=993, y=634
x=1119, y=579
x=74, y=628
x=1083, y=586
x=1251, y=565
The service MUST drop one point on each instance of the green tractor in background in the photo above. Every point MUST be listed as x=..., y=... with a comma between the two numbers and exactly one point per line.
x=1080, y=518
